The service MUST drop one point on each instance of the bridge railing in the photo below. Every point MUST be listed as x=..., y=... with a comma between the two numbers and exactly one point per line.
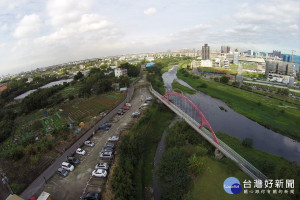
x=225, y=149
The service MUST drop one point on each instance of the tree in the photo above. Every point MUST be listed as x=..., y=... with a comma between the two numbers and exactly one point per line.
x=173, y=174
x=78, y=76
x=124, y=81
x=132, y=70
x=224, y=79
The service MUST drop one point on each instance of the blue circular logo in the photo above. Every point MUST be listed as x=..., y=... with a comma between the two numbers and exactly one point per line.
x=232, y=185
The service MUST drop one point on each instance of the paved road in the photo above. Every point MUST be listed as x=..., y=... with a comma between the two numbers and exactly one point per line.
x=80, y=180
x=47, y=174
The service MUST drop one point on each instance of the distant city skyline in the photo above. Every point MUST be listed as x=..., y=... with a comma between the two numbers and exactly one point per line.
x=44, y=33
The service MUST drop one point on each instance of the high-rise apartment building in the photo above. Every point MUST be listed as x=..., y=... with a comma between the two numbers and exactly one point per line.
x=205, y=52
x=226, y=49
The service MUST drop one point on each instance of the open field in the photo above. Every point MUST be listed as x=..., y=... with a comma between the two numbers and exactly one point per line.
x=79, y=109
x=278, y=115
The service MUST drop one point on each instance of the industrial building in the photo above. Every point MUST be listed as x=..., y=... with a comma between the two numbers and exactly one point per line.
x=279, y=68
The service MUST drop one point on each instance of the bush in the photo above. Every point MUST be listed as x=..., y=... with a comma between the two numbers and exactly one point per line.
x=203, y=85
x=71, y=97
x=247, y=142
x=224, y=79
x=216, y=79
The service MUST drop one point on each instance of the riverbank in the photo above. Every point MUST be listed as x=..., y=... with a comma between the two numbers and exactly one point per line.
x=136, y=154
x=274, y=114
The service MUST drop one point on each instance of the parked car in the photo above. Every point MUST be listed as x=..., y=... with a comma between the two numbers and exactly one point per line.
x=73, y=160
x=80, y=151
x=108, y=124
x=128, y=104
x=113, y=139
x=125, y=108
x=106, y=155
x=149, y=99
x=135, y=114
x=110, y=145
x=121, y=112
x=62, y=172
x=103, y=127
x=102, y=165
x=67, y=166
x=92, y=196
x=89, y=143
x=145, y=104
x=99, y=173
x=107, y=149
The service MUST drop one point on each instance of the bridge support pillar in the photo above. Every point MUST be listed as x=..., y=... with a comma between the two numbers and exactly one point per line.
x=218, y=154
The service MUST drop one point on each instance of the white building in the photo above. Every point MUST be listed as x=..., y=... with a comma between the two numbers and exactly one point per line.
x=236, y=58
x=150, y=59
x=226, y=63
x=120, y=72
x=206, y=63
x=217, y=62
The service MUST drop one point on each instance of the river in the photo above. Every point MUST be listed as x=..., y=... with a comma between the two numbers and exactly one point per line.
x=237, y=125
x=60, y=82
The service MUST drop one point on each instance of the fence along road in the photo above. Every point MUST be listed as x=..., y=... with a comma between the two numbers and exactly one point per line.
x=244, y=165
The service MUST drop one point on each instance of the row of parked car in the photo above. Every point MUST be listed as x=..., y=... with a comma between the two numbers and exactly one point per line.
x=68, y=166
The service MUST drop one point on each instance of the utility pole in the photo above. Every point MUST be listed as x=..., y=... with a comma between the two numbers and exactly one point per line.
x=4, y=180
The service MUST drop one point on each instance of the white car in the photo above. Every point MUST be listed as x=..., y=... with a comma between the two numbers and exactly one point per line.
x=89, y=143
x=80, y=151
x=113, y=139
x=67, y=166
x=99, y=173
x=102, y=165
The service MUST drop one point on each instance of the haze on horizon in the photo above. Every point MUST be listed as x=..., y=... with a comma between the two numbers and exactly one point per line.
x=41, y=33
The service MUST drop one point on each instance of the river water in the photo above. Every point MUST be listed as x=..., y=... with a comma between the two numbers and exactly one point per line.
x=237, y=125
x=60, y=82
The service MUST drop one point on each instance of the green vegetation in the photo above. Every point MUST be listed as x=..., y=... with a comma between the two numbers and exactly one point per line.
x=188, y=169
x=181, y=88
x=154, y=76
x=209, y=184
x=173, y=174
x=136, y=152
x=274, y=167
x=278, y=115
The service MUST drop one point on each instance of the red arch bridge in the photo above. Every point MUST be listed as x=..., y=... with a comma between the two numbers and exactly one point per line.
x=188, y=111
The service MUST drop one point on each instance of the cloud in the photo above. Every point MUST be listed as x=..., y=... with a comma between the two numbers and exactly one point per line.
x=29, y=26
x=62, y=12
x=150, y=11
x=4, y=27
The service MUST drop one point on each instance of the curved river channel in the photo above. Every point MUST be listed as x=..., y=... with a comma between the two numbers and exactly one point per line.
x=237, y=125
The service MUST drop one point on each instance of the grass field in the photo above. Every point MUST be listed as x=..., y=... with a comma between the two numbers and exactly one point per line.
x=180, y=88
x=275, y=114
x=209, y=185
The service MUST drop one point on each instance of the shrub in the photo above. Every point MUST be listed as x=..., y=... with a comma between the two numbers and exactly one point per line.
x=247, y=142
x=203, y=85
x=224, y=79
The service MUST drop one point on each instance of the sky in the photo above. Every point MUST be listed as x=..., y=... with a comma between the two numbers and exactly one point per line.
x=42, y=33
